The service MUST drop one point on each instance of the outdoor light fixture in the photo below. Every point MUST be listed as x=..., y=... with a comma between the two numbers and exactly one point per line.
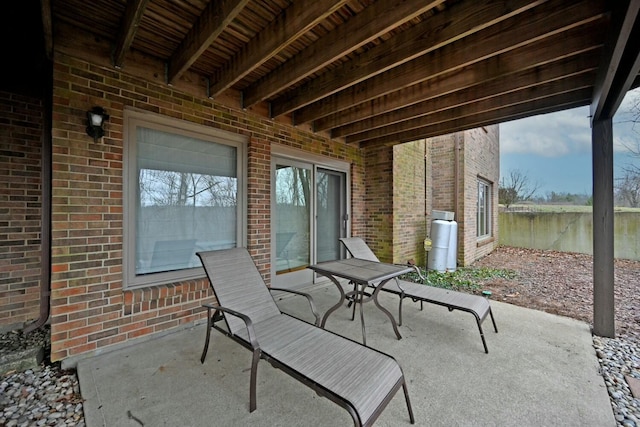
x=95, y=119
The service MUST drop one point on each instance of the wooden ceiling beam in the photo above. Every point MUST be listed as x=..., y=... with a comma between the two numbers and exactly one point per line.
x=571, y=67
x=373, y=22
x=215, y=18
x=458, y=123
x=128, y=28
x=567, y=84
x=532, y=25
x=47, y=27
x=460, y=20
x=293, y=22
x=621, y=60
x=577, y=41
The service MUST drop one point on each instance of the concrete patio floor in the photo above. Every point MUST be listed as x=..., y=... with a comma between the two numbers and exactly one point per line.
x=541, y=370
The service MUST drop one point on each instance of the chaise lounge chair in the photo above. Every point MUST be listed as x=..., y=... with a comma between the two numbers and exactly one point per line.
x=358, y=378
x=453, y=300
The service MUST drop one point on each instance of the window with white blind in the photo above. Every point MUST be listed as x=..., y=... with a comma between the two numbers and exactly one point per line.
x=184, y=193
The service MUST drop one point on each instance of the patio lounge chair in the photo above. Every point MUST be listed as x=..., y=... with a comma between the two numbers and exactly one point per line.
x=358, y=378
x=453, y=300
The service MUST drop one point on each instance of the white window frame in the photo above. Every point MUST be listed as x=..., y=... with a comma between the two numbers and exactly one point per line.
x=135, y=118
x=487, y=186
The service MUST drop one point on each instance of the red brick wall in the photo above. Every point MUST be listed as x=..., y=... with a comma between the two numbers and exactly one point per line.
x=20, y=209
x=481, y=157
x=89, y=306
x=396, y=200
x=476, y=153
x=378, y=212
x=410, y=201
x=443, y=169
x=259, y=205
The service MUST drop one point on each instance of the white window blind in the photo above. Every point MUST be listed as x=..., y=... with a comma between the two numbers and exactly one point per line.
x=184, y=197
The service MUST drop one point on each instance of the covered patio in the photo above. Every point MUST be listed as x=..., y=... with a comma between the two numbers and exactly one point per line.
x=541, y=370
x=335, y=80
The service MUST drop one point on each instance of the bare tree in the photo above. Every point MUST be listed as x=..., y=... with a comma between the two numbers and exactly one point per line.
x=628, y=186
x=516, y=187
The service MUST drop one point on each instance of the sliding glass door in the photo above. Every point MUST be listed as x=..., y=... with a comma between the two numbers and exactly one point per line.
x=331, y=214
x=309, y=215
x=291, y=228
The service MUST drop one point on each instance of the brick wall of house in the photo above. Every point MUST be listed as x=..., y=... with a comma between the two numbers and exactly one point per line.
x=20, y=209
x=379, y=213
x=477, y=154
x=396, y=200
x=410, y=201
x=443, y=158
x=89, y=307
x=481, y=157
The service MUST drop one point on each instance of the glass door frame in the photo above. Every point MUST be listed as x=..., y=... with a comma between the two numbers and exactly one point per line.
x=298, y=158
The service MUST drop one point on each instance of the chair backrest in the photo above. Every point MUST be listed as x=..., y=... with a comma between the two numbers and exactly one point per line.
x=238, y=285
x=358, y=248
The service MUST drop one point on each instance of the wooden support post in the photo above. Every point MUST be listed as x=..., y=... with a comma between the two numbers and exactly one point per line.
x=602, y=155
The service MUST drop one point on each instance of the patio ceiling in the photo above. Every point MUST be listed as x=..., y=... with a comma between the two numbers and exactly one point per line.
x=371, y=72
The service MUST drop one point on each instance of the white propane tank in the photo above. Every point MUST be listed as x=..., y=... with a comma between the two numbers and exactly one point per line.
x=452, y=253
x=440, y=236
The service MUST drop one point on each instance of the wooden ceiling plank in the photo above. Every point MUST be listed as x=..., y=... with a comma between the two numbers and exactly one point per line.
x=623, y=20
x=472, y=120
x=567, y=67
x=293, y=22
x=532, y=25
x=128, y=28
x=460, y=20
x=519, y=96
x=371, y=23
x=47, y=27
x=576, y=41
x=214, y=19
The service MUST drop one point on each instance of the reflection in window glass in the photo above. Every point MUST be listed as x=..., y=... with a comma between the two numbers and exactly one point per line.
x=187, y=200
x=329, y=208
x=292, y=214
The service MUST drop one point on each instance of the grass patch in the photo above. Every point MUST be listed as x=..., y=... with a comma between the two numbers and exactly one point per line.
x=463, y=279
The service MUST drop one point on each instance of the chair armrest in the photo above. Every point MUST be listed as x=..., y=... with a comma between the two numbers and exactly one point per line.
x=309, y=299
x=253, y=340
x=417, y=270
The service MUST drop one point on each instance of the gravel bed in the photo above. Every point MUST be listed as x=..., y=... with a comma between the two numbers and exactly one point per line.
x=45, y=396
x=618, y=358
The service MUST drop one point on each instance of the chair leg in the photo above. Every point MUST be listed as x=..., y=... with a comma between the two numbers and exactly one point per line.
x=493, y=320
x=206, y=341
x=484, y=343
x=253, y=380
x=406, y=397
x=354, y=301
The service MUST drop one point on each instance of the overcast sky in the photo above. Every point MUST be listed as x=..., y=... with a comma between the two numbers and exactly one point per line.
x=554, y=149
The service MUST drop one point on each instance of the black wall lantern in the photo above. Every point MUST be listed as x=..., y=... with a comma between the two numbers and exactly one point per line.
x=95, y=119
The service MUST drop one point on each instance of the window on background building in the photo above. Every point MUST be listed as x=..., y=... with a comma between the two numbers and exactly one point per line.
x=483, y=219
x=184, y=194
